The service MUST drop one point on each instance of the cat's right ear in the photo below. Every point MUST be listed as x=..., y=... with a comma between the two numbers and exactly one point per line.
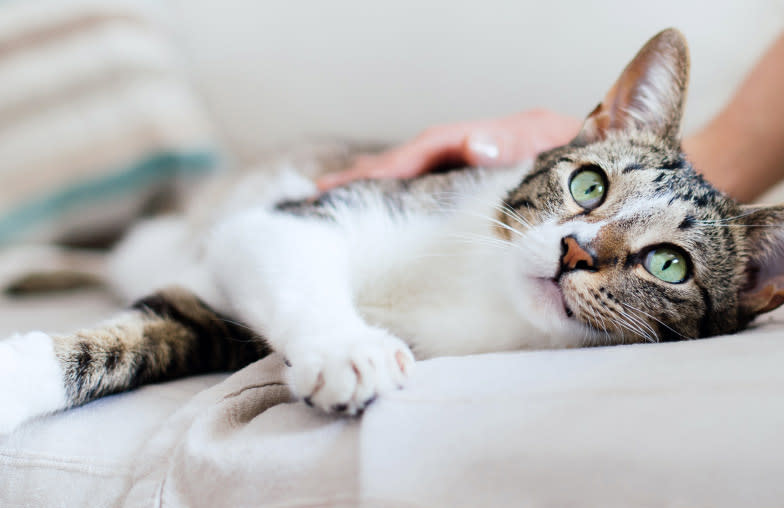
x=764, y=231
x=649, y=95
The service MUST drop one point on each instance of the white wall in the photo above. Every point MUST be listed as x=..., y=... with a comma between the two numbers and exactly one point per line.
x=272, y=71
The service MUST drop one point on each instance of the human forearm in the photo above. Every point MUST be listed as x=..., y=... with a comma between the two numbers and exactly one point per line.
x=741, y=151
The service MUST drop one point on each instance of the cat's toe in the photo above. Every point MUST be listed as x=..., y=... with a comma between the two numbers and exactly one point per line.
x=350, y=375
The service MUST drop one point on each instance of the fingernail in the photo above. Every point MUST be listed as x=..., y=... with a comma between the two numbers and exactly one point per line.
x=483, y=148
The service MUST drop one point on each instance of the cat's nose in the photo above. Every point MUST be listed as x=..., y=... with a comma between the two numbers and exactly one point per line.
x=574, y=256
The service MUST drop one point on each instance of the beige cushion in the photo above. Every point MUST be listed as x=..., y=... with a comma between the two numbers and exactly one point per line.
x=96, y=119
x=679, y=424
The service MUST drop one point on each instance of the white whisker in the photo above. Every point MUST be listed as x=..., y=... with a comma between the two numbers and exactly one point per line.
x=658, y=321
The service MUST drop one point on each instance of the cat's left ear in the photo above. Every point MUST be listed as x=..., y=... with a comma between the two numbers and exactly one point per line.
x=649, y=95
x=764, y=230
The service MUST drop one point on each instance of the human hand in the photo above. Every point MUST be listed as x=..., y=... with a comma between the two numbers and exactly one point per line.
x=487, y=143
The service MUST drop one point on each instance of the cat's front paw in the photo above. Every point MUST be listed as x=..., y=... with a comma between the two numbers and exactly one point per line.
x=346, y=372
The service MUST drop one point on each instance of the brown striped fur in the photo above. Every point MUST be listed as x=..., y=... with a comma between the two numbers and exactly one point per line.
x=167, y=335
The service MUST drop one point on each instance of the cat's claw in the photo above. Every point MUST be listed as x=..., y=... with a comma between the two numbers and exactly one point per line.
x=347, y=374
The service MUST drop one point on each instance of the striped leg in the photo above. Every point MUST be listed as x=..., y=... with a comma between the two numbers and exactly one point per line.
x=167, y=335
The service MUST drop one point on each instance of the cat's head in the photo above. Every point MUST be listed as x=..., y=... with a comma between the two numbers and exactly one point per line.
x=623, y=241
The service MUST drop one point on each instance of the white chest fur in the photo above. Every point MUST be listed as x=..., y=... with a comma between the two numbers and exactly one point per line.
x=438, y=282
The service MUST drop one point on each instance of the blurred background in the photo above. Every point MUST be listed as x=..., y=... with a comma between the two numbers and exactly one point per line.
x=271, y=71
x=105, y=103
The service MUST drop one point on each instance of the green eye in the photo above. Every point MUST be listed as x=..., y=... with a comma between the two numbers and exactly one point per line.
x=667, y=264
x=587, y=187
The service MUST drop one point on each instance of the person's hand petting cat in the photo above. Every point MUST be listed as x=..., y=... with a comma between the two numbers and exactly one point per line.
x=741, y=151
x=488, y=143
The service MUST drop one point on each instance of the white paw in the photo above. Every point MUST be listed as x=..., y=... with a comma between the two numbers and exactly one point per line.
x=344, y=373
x=31, y=381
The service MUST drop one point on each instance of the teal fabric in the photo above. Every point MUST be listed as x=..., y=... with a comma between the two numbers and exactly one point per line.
x=154, y=170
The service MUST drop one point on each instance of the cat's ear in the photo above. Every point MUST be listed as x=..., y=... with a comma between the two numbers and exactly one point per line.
x=649, y=95
x=764, y=230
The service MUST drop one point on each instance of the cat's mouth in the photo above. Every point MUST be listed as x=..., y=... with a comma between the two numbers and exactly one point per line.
x=556, y=303
x=552, y=297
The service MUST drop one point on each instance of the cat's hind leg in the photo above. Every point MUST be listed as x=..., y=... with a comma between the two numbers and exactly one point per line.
x=167, y=335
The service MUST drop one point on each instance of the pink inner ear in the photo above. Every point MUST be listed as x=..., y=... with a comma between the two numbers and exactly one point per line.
x=766, y=298
x=767, y=289
x=649, y=93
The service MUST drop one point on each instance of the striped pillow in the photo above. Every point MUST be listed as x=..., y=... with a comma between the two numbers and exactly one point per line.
x=95, y=118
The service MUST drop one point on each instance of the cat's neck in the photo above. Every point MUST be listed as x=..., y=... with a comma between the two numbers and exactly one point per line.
x=444, y=286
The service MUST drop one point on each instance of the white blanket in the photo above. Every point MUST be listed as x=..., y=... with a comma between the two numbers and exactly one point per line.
x=681, y=424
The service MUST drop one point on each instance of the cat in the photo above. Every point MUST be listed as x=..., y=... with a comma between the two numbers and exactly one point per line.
x=610, y=239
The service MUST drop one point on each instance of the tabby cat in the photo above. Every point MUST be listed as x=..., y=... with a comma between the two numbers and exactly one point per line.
x=611, y=239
